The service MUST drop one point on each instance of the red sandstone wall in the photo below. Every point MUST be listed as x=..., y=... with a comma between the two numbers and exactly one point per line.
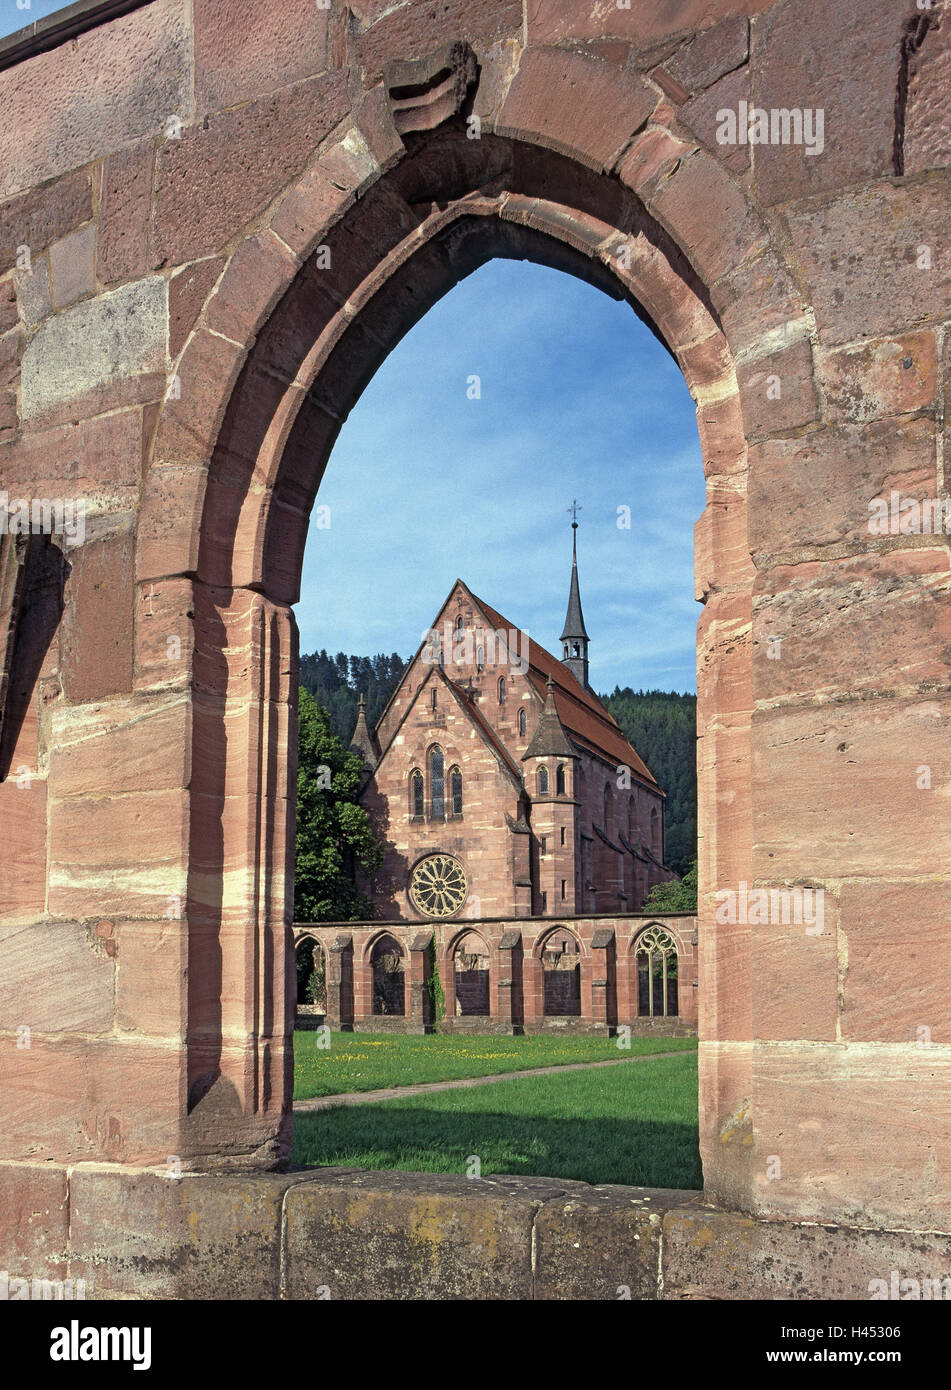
x=145, y=808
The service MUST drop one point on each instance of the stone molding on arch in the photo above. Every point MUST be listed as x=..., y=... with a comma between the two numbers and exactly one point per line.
x=309, y=305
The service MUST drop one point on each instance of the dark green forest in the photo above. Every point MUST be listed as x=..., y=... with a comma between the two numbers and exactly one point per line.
x=662, y=725
x=336, y=682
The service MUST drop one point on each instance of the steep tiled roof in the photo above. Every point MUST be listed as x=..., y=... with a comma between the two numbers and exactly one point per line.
x=580, y=711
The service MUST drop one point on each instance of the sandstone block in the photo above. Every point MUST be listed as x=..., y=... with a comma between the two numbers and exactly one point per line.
x=873, y=623
x=187, y=292
x=96, y=637
x=23, y=816
x=91, y=345
x=419, y=1235
x=595, y=1243
x=722, y=1254
x=121, y=856
x=895, y=932
x=810, y=1104
x=891, y=376
x=836, y=790
x=73, y=266
x=249, y=154
x=808, y=60
x=80, y=100
x=779, y=391
x=34, y=292
x=152, y=980
x=56, y=978
x=575, y=105
x=243, y=51
x=42, y=215
x=34, y=1221
x=193, y=1237
x=124, y=213
x=122, y=746
x=897, y=274
x=856, y=463
x=258, y=274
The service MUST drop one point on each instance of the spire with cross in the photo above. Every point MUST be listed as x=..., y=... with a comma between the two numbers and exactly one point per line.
x=574, y=637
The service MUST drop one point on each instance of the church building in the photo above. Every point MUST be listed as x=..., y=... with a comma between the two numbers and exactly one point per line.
x=499, y=783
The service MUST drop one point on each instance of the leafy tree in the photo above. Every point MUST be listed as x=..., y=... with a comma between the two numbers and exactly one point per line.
x=336, y=842
x=680, y=895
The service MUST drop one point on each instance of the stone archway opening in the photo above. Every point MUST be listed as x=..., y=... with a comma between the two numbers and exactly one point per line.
x=387, y=968
x=316, y=325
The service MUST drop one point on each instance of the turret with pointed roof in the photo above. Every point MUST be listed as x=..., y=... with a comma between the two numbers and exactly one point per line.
x=550, y=739
x=363, y=741
x=574, y=636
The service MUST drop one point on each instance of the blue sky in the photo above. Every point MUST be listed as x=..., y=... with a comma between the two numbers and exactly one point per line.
x=15, y=16
x=578, y=400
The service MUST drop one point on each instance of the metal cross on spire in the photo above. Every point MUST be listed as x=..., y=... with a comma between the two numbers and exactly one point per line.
x=574, y=509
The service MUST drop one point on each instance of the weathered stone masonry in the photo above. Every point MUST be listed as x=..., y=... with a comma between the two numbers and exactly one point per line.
x=174, y=351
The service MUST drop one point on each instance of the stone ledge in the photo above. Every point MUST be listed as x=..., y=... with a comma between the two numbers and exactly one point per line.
x=346, y=1233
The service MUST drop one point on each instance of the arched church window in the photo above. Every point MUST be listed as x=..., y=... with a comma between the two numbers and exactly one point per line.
x=560, y=780
x=455, y=790
x=501, y=690
x=437, y=783
x=480, y=658
x=416, y=793
x=577, y=649
x=543, y=781
x=656, y=961
x=459, y=624
x=433, y=697
x=522, y=723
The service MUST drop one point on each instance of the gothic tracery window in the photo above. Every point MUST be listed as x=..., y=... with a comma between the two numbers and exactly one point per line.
x=560, y=779
x=455, y=790
x=522, y=723
x=437, y=783
x=416, y=793
x=543, y=781
x=501, y=690
x=656, y=962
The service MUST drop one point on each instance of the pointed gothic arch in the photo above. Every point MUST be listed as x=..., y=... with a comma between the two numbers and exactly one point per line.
x=247, y=452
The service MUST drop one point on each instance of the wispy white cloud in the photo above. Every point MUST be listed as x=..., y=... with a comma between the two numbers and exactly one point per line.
x=578, y=400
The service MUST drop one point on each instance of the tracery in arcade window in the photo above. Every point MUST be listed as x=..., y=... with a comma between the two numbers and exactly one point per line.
x=656, y=963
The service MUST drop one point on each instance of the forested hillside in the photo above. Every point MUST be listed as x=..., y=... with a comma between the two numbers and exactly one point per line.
x=662, y=726
x=336, y=681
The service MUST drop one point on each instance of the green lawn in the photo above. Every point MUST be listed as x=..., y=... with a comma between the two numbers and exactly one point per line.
x=371, y=1061
x=634, y=1124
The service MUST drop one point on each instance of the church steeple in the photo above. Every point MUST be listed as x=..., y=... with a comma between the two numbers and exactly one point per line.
x=574, y=637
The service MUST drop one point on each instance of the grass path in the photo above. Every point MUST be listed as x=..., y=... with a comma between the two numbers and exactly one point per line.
x=373, y=1062
x=303, y=1107
x=622, y=1124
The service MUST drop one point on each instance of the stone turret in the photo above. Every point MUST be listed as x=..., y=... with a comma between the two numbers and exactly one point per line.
x=363, y=741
